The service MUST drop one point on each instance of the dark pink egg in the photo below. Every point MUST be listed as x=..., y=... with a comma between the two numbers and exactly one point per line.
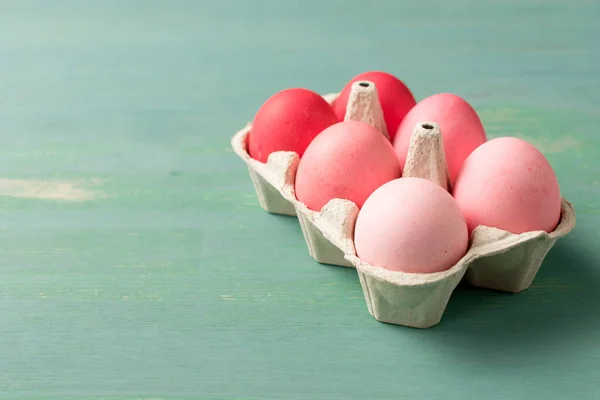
x=508, y=184
x=348, y=160
x=462, y=130
x=395, y=98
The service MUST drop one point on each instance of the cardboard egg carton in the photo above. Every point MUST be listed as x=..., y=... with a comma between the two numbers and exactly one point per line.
x=496, y=259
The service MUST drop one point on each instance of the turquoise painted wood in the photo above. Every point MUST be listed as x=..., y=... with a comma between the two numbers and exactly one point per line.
x=135, y=262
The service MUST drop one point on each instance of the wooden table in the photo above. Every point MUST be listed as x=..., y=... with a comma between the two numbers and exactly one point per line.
x=135, y=260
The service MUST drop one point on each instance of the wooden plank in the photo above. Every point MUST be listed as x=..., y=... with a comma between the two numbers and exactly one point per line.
x=136, y=263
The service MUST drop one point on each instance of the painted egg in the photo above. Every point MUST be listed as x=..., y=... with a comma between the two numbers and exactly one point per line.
x=462, y=130
x=395, y=98
x=411, y=225
x=348, y=160
x=508, y=184
x=288, y=121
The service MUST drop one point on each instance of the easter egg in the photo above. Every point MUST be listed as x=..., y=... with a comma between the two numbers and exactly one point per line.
x=411, y=225
x=348, y=160
x=288, y=121
x=508, y=184
x=462, y=130
x=395, y=98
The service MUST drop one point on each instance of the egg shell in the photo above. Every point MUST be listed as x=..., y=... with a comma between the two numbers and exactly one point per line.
x=497, y=259
x=508, y=184
x=395, y=97
x=411, y=225
x=461, y=127
x=348, y=160
x=288, y=121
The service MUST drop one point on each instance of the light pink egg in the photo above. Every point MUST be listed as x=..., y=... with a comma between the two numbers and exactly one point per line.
x=411, y=225
x=348, y=160
x=462, y=130
x=508, y=184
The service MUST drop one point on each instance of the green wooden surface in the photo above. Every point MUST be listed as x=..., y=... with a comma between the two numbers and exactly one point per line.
x=136, y=263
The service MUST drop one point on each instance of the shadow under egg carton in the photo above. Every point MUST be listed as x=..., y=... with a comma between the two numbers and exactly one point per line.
x=496, y=259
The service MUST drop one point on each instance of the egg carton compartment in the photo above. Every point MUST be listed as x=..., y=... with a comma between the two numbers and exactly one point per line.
x=270, y=180
x=274, y=185
x=496, y=259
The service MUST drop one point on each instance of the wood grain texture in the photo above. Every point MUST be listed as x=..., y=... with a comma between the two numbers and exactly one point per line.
x=144, y=268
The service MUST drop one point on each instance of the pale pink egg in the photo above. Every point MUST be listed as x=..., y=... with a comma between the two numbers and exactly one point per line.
x=411, y=225
x=462, y=130
x=348, y=160
x=288, y=121
x=508, y=184
x=394, y=96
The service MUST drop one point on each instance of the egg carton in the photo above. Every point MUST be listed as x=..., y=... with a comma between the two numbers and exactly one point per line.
x=496, y=259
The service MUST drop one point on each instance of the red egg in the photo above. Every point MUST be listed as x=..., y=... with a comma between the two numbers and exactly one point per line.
x=395, y=98
x=288, y=121
x=348, y=160
x=462, y=130
x=508, y=184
